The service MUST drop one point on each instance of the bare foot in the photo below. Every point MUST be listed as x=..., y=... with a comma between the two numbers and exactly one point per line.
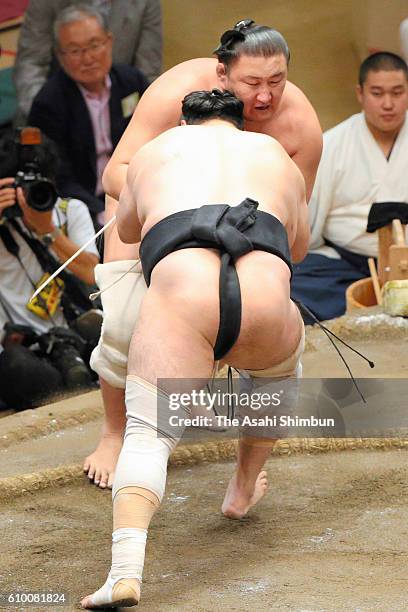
x=100, y=465
x=237, y=502
x=124, y=593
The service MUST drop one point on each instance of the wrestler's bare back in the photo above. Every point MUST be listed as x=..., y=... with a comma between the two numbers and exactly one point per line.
x=294, y=124
x=215, y=163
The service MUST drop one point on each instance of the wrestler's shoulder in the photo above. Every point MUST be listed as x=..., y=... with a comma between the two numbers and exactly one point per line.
x=263, y=142
x=296, y=98
x=165, y=144
x=268, y=152
x=198, y=73
x=298, y=109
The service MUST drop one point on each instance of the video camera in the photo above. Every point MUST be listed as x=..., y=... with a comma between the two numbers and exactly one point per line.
x=39, y=191
x=63, y=348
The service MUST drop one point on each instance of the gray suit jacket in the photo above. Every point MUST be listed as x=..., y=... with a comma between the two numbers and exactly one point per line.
x=135, y=24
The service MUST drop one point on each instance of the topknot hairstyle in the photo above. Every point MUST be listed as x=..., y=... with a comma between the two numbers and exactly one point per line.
x=201, y=106
x=248, y=38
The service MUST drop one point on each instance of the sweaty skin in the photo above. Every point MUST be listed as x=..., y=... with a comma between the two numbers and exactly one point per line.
x=272, y=106
x=286, y=115
x=227, y=166
x=175, y=333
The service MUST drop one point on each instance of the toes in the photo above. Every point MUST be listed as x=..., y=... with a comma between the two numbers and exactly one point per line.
x=87, y=465
x=104, y=479
x=100, y=477
x=85, y=602
x=110, y=480
x=97, y=477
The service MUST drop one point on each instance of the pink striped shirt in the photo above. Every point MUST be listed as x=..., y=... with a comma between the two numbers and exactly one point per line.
x=98, y=107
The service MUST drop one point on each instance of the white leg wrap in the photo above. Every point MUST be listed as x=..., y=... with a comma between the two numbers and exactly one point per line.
x=122, y=290
x=292, y=366
x=149, y=439
x=280, y=381
x=128, y=552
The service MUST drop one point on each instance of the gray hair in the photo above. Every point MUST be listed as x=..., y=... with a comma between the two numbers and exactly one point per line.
x=248, y=38
x=78, y=12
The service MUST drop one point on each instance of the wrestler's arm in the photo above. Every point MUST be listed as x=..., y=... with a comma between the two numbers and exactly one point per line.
x=148, y=121
x=307, y=157
x=157, y=111
x=128, y=223
x=300, y=246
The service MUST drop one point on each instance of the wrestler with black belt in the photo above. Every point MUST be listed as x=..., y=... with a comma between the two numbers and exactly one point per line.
x=221, y=214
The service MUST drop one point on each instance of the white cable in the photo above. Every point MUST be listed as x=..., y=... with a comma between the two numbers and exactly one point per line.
x=74, y=256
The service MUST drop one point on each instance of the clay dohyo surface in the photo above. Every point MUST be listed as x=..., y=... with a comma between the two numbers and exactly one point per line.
x=331, y=534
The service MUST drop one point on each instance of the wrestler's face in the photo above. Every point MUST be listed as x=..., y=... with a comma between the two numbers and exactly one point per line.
x=85, y=52
x=258, y=81
x=384, y=99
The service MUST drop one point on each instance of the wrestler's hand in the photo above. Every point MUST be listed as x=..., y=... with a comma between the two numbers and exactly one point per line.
x=7, y=193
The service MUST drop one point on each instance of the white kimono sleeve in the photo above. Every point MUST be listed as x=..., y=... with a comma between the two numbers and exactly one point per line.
x=323, y=191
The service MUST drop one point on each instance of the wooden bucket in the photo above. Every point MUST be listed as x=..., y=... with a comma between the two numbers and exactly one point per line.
x=360, y=295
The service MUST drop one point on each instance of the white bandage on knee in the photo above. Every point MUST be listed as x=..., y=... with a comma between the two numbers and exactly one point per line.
x=149, y=438
x=139, y=484
x=122, y=289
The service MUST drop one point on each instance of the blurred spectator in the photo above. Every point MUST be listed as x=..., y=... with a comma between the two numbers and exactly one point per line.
x=404, y=39
x=86, y=105
x=364, y=161
x=137, y=41
x=40, y=351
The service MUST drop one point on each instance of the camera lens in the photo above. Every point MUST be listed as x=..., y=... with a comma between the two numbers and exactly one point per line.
x=41, y=195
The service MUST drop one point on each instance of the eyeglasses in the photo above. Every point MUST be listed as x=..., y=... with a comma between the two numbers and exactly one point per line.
x=94, y=49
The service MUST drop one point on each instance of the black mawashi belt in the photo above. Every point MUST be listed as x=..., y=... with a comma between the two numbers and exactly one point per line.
x=232, y=230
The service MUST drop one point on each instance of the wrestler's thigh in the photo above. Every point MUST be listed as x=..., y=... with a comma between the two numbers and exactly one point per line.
x=270, y=323
x=188, y=281
x=178, y=320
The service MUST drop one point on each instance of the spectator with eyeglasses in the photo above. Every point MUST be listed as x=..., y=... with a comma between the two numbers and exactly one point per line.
x=136, y=26
x=86, y=105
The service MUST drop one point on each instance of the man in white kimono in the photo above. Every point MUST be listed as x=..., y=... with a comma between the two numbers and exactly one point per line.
x=365, y=160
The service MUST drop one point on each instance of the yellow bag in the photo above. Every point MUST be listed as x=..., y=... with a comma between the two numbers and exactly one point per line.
x=47, y=302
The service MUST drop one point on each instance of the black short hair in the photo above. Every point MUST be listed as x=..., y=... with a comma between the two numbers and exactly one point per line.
x=383, y=60
x=45, y=155
x=248, y=38
x=201, y=106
